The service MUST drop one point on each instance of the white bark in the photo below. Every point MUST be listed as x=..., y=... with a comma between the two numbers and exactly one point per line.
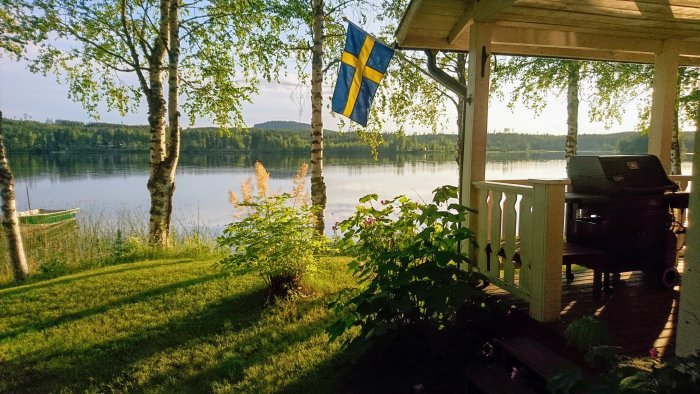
x=10, y=221
x=572, y=103
x=318, y=186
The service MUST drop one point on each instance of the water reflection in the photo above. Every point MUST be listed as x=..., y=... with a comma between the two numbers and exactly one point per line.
x=107, y=184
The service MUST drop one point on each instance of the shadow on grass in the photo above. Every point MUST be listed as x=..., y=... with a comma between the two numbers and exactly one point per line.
x=69, y=317
x=100, y=366
x=278, y=342
x=23, y=287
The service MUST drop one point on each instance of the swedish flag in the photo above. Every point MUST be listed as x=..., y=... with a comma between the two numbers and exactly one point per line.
x=363, y=64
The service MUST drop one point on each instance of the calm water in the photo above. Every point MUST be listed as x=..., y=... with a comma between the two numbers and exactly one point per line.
x=108, y=185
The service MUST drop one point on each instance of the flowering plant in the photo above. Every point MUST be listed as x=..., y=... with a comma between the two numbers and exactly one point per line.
x=276, y=238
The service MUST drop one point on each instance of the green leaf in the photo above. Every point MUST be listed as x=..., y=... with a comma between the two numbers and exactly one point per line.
x=369, y=197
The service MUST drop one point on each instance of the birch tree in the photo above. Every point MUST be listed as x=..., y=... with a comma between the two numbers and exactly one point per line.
x=532, y=81
x=10, y=221
x=318, y=185
x=315, y=34
x=124, y=52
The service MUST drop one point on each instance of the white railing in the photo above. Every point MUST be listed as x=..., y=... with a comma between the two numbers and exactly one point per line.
x=520, y=240
x=683, y=181
x=684, y=184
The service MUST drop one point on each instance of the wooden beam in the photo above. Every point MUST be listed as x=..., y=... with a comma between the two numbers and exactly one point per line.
x=463, y=24
x=485, y=10
x=689, y=48
x=573, y=53
x=620, y=7
x=573, y=39
x=476, y=10
x=407, y=20
x=476, y=117
x=425, y=42
x=663, y=102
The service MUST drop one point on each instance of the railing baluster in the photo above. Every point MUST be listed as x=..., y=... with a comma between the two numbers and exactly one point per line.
x=495, y=233
x=482, y=234
x=509, y=237
x=525, y=241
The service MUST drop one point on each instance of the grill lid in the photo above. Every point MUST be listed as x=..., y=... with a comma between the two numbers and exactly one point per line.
x=618, y=174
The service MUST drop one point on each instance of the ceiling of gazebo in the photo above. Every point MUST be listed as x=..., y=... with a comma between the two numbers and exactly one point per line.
x=624, y=30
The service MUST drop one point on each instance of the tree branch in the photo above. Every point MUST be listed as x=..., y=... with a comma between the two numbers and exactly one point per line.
x=132, y=48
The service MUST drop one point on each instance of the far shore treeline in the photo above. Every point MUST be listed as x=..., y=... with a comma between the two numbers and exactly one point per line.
x=292, y=137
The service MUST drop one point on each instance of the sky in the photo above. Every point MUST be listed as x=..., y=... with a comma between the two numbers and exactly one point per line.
x=26, y=95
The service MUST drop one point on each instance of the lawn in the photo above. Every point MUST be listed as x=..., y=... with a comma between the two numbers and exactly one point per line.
x=177, y=325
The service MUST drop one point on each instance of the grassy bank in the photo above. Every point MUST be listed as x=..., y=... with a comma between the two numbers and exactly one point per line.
x=175, y=325
x=98, y=241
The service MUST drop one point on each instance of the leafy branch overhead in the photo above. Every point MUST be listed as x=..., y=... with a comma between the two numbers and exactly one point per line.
x=104, y=50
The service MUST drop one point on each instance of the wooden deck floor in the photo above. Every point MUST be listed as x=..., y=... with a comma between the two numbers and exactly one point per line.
x=639, y=314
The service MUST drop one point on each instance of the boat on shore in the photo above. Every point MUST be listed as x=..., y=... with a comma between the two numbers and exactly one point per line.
x=46, y=216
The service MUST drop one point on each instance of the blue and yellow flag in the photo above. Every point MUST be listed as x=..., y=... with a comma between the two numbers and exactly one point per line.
x=362, y=66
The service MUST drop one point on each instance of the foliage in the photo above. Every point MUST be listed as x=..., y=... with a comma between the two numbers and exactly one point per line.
x=408, y=264
x=649, y=375
x=586, y=333
x=276, y=238
x=96, y=241
x=63, y=135
x=54, y=266
x=677, y=375
x=116, y=39
x=608, y=85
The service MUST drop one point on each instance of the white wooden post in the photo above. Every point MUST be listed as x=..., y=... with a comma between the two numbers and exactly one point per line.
x=688, y=335
x=475, y=118
x=547, y=247
x=663, y=102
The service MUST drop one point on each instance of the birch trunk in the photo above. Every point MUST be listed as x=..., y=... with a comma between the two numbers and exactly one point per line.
x=165, y=139
x=318, y=186
x=675, y=146
x=572, y=102
x=9, y=214
x=675, y=141
x=461, y=107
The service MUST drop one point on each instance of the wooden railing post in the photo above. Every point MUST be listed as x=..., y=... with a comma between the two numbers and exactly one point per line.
x=547, y=246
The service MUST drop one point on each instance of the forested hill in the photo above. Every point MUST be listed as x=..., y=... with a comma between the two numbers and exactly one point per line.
x=62, y=135
x=282, y=125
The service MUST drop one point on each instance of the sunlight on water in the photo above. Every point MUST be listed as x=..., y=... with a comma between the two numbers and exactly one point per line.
x=108, y=185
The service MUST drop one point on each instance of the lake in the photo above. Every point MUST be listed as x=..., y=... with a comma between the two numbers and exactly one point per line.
x=113, y=186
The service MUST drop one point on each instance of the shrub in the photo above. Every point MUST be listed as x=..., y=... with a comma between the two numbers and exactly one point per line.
x=276, y=238
x=408, y=264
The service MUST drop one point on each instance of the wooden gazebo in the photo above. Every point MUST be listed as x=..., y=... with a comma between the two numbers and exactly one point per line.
x=665, y=33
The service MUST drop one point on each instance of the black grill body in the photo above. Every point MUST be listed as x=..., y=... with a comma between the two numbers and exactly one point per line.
x=617, y=205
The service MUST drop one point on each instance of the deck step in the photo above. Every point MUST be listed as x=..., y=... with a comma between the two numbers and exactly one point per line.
x=535, y=356
x=494, y=379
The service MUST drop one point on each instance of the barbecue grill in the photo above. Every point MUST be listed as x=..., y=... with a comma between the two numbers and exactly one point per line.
x=618, y=204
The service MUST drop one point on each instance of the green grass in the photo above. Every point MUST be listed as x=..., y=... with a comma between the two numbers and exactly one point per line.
x=176, y=325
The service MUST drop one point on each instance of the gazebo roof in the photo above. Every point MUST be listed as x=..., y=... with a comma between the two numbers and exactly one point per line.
x=616, y=30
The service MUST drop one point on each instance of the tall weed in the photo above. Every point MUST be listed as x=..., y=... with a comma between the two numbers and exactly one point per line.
x=99, y=240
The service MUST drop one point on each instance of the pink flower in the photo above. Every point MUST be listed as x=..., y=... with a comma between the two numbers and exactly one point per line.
x=383, y=202
x=653, y=353
x=368, y=221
